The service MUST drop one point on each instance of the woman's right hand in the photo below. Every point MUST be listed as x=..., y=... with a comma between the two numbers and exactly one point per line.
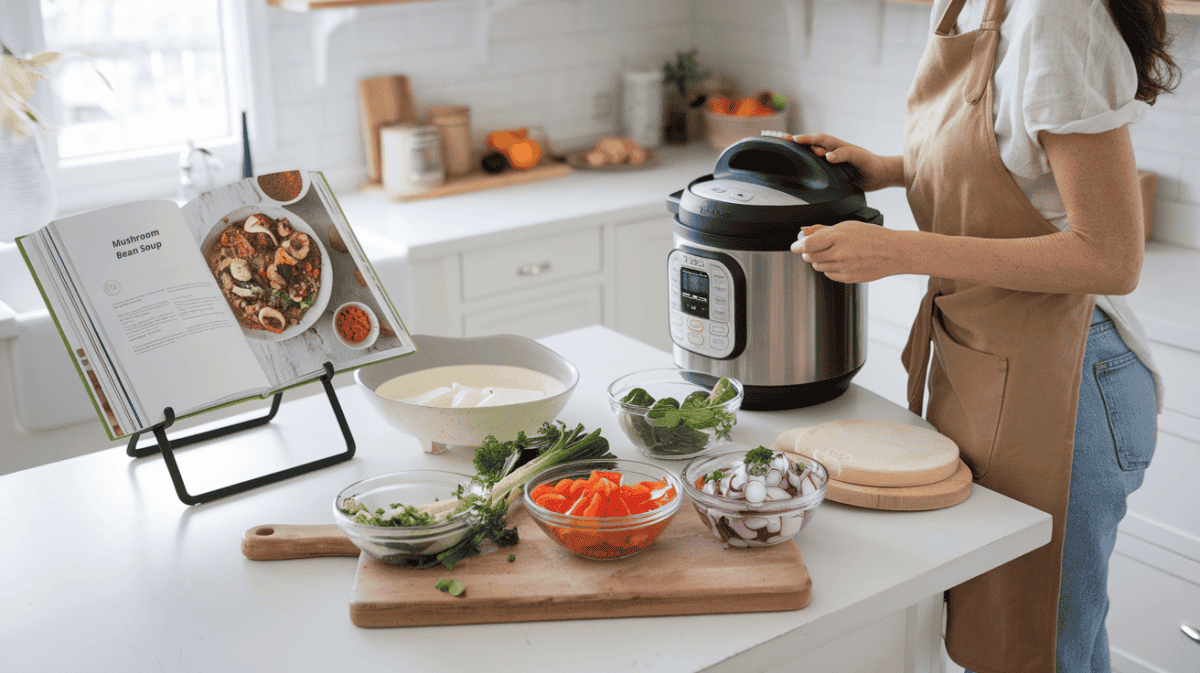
x=877, y=171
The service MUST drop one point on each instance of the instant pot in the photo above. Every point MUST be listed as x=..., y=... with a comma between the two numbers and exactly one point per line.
x=742, y=304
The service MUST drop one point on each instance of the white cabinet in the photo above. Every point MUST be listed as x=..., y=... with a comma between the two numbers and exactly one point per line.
x=548, y=278
x=640, y=280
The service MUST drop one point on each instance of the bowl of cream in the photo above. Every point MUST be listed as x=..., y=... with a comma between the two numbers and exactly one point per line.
x=456, y=391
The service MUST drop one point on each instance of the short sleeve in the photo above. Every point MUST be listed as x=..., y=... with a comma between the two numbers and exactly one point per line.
x=1080, y=75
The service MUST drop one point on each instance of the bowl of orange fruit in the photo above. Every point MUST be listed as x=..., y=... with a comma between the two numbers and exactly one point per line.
x=728, y=120
x=604, y=509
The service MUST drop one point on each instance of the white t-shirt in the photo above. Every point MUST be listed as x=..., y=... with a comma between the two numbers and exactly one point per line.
x=1061, y=67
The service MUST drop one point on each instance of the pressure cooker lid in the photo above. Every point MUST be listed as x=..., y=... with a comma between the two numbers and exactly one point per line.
x=767, y=189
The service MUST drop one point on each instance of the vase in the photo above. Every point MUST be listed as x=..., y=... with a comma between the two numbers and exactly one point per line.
x=27, y=199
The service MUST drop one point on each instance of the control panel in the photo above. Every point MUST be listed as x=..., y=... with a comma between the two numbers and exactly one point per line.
x=702, y=304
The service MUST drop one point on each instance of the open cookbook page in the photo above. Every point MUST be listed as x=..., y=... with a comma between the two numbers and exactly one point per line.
x=140, y=315
x=294, y=276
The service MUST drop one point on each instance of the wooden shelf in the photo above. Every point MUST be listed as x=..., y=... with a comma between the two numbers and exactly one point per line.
x=309, y=5
x=1173, y=6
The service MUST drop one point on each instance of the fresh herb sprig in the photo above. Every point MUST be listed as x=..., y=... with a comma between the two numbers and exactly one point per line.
x=761, y=456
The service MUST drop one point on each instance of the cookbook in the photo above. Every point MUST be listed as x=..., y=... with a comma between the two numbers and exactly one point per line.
x=246, y=290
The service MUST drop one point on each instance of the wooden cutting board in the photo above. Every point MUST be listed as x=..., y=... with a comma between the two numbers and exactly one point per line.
x=384, y=101
x=870, y=452
x=686, y=571
x=945, y=493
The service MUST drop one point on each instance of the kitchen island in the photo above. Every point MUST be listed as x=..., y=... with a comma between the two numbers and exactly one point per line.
x=105, y=570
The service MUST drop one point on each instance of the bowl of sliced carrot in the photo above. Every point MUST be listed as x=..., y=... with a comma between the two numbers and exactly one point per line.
x=604, y=509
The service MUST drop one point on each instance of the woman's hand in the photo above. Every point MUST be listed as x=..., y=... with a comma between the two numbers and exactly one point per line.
x=852, y=251
x=877, y=171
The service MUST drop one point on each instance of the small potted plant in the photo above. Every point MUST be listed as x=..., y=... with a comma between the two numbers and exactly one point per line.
x=682, y=79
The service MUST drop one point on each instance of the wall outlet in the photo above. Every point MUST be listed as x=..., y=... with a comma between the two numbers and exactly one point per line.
x=602, y=105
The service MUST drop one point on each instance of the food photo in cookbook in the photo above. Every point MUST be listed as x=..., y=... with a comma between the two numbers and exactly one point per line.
x=287, y=271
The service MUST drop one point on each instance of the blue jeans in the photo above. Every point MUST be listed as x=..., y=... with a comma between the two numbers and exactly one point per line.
x=1115, y=432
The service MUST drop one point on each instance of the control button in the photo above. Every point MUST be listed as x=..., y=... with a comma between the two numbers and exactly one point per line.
x=717, y=276
x=695, y=325
x=741, y=196
x=719, y=316
x=719, y=343
x=719, y=295
x=717, y=329
x=695, y=338
x=720, y=305
x=676, y=318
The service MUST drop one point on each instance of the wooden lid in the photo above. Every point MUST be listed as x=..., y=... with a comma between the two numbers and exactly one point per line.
x=876, y=453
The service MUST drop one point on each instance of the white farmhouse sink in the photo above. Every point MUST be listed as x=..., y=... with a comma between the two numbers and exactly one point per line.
x=45, y=384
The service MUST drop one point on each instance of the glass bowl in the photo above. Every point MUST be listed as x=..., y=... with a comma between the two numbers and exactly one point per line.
x=605, y=537
x=676, y=438
x=739, y=523
x=407, y=545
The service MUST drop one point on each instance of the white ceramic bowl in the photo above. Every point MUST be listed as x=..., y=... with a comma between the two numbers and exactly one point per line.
x=438, y=429
x=371, y=336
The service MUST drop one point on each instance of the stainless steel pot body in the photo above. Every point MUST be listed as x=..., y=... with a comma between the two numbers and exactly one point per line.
x=794, y=336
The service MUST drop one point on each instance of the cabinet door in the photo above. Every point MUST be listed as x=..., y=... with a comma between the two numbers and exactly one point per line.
x=539, y=317
x=640, y=272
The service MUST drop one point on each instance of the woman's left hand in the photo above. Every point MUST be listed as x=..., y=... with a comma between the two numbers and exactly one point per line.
x=852, y=251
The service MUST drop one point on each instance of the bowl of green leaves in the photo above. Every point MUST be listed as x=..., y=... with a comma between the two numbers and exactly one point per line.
x=675, y=414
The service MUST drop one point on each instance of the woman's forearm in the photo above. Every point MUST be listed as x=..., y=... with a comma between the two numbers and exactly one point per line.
x=1065, y=262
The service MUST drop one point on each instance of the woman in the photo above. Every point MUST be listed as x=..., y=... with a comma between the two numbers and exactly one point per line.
x=1020, y=174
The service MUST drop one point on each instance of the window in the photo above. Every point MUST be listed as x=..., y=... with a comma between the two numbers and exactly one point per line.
x=142, y=78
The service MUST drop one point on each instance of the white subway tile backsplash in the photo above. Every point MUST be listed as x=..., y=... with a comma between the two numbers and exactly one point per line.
x=1188, y=189
x=594, y=16
x=1177, y=224
x=291, y=46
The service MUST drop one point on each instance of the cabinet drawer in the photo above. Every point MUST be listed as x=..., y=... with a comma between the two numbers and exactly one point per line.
x=1167, y=496
x=539, y=317
x=1148, y=607
x=1180, y=372
x=530, y=263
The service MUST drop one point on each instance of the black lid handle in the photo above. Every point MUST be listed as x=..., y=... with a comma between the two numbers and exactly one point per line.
x=782, y=163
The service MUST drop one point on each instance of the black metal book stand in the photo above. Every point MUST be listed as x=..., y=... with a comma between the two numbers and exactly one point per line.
x=167, y=448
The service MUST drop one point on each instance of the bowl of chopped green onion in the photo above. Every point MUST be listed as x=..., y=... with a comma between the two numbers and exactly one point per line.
x=675, y=414
x=408, y=518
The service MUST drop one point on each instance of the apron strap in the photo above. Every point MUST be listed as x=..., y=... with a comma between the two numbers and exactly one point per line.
x=983, y=58
x=916, y=352
x=949, y=17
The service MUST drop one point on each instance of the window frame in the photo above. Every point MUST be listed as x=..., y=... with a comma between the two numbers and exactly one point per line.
x=88, y=183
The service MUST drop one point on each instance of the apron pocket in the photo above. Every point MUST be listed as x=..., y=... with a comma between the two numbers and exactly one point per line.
x=967, y=395
x=1131, y=405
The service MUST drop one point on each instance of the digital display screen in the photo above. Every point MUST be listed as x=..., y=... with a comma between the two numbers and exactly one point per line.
x=693, y=287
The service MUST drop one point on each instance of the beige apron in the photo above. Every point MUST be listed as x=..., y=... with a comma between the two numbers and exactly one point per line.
x=1004, y=380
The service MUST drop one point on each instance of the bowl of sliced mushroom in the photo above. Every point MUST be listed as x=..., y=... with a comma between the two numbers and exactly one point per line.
x=756, y=497
x=272, y=268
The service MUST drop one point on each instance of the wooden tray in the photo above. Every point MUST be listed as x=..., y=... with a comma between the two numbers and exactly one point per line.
x=686, y=571
x=477, y=181
x=945, y=493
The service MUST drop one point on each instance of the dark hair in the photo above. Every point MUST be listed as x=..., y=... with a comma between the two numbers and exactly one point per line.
x=1143, y=24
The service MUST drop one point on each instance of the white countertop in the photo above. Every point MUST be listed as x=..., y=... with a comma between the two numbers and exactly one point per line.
x=105, y=570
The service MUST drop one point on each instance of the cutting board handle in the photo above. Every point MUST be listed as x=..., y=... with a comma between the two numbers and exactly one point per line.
x=276, y=542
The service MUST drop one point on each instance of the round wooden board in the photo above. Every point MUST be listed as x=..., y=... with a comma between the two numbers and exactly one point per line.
x=944, y=493
x=871, y=452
